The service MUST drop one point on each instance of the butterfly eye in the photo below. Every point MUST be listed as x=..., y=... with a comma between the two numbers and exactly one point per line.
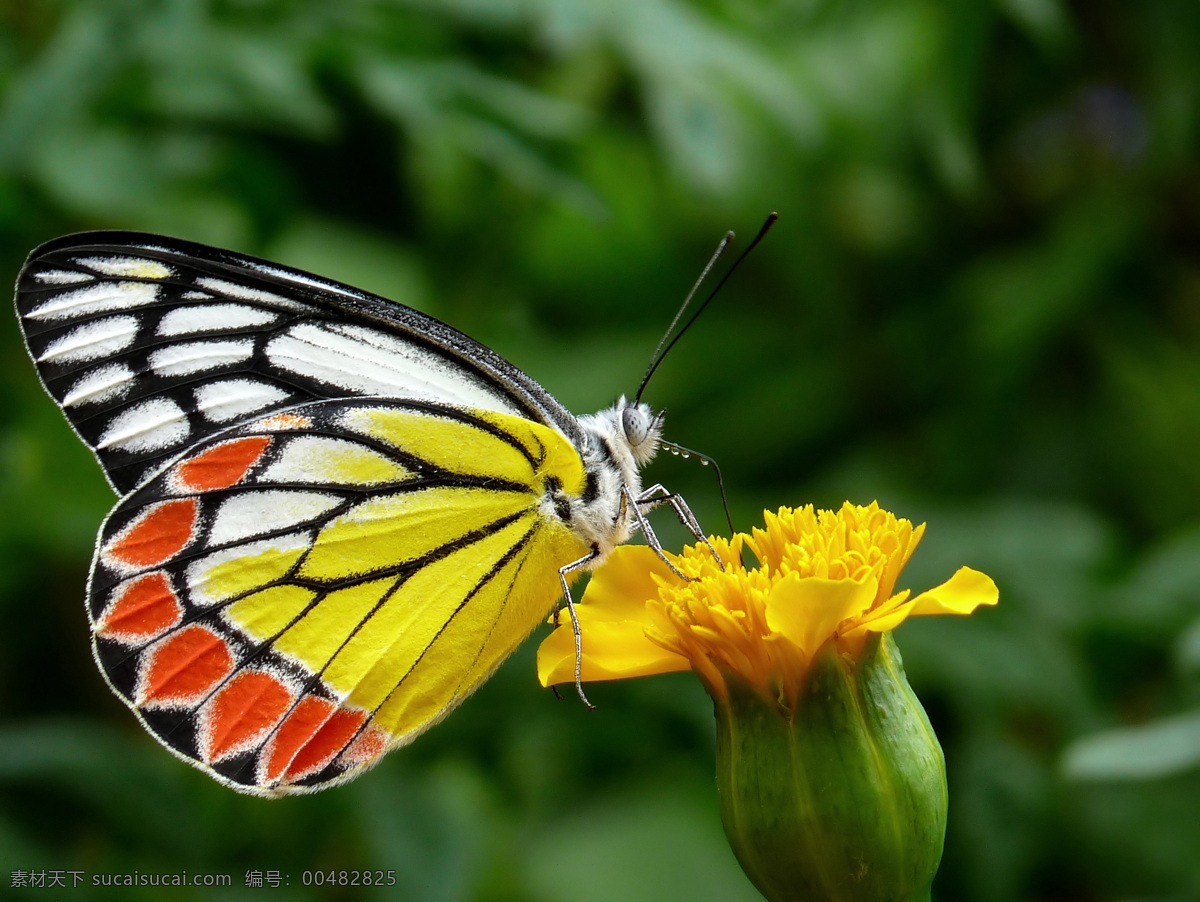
x=634, y=425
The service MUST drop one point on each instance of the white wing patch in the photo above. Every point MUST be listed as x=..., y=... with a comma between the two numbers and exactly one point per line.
x=318, y=458
x=321, y=458
x=102, y=384
x=304, y=279
x=213, y=318
x=99, y=298
x=257, y=513
x=230, y=399
x=126, y=267
x=246, y=293
x=98, y=338
x=147, y=426
x=367, y=362
x=62, y=277
x=198, y=356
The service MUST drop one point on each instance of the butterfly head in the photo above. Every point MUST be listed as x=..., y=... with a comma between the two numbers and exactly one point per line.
x=619, y=442
x=625, y=437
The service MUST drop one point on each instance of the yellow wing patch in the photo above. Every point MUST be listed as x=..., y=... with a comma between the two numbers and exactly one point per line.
x=521, y=451
x=448, y=444
x=557, y=456
x=266, y=612
x=491, y=619
x=226, y=574
x=316, y=638
x=519, y=604
x=405, y=527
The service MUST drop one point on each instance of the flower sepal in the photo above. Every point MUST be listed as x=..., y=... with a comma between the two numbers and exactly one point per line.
x=838, y=795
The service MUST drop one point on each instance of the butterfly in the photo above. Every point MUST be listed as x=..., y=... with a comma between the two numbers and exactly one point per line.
x=337, y=515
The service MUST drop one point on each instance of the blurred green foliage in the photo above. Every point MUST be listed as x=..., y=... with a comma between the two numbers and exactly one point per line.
x=981, y=306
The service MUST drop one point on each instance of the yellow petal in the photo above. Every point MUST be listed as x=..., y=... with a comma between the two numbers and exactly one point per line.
x=619, y=588
x=612, y=650
x=960, y=594
x=807, y=610
x=612, y=622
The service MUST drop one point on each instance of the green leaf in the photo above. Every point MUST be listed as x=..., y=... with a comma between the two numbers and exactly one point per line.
x=1158, y=749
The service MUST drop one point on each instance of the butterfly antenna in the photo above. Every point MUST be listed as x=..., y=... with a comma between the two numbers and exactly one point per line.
x=705, y=461
x=661, y=352
x=655, y=358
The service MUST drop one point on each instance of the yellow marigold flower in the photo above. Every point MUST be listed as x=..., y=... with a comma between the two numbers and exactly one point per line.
x=823, y=576
x=831, y=781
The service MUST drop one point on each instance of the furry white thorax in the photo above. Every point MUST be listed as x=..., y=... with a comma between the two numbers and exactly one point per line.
x=620, y=440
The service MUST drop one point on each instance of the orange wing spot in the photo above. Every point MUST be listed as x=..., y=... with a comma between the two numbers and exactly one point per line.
x=366, y=748
x=155, y=537
x=183, y=668
x=221, y=466
x=333, y=736
x=310, y=738
x=242, y=712
x=141, y=609
x=301, y=725
x=283, y=421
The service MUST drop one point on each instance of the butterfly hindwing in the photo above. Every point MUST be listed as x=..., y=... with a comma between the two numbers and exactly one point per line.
x=294, y=596
x=150, y=345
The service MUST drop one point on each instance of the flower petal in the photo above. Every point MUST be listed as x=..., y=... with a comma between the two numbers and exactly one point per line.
x=960, y=594
x=620, y=587
x=807, y=610
x=612, y=622
x=612, y=650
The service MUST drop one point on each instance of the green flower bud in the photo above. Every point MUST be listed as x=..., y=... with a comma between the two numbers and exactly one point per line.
x=839, y=796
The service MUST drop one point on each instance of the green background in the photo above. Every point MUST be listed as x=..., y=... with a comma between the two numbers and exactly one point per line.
x=981, y=306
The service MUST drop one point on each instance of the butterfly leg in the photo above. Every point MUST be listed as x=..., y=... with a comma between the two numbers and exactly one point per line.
x=580, y=564
x=643, y=524
x=656, y=496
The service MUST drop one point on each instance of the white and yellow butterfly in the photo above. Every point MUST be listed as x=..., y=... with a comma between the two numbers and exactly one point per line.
x=338, y=515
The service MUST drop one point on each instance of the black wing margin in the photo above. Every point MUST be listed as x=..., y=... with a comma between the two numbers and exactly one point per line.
x=150, y=344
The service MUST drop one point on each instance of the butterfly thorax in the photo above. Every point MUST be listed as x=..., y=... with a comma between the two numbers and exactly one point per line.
x=618, y=442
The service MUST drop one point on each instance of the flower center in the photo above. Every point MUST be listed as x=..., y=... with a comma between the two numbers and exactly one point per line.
x=818, y=571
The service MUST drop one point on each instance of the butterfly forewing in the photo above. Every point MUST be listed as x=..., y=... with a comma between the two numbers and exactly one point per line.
x=294, y=596
x=151, y=345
